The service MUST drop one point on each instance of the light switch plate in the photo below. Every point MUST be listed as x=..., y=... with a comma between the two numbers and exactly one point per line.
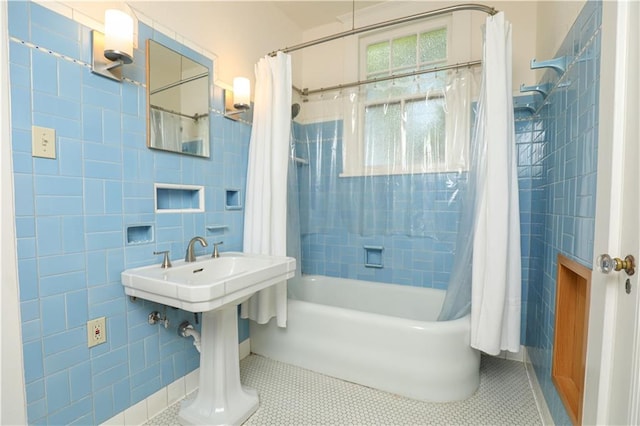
x=43, y=142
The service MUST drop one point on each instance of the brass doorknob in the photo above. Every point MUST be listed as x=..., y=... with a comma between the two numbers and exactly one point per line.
x=607, y=264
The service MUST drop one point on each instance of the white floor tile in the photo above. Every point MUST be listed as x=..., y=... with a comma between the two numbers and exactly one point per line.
x=294, y=396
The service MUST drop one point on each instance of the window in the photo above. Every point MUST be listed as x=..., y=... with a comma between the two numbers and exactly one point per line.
x=406, y=53
x=402, y=121
x=404, y=137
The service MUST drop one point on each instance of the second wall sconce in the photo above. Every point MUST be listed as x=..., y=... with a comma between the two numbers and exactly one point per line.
x=114, y=48
x=238, y=101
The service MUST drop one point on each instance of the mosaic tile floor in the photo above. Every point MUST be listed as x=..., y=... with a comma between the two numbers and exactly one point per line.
x=293, y=396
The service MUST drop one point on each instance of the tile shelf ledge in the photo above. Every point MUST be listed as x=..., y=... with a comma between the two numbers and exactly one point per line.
x=216, y=227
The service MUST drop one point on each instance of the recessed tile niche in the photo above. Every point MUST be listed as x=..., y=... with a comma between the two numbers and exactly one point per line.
x=570, y=340
x=172, y=198
x=139, y=234
x=232, y=200
x=373, y=256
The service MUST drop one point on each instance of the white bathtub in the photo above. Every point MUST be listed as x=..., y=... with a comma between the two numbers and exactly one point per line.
x=380, y=335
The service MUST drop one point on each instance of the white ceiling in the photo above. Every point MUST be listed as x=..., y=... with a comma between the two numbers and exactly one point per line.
x=313, y=13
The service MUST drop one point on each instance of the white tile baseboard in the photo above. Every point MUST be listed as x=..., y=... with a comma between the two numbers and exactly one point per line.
x=146, y=409
x=541, y=403
x=244, y=348
x=512, y=356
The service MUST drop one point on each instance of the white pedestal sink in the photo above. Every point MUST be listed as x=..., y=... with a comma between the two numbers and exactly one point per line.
x=214, y=287
x=221, y=400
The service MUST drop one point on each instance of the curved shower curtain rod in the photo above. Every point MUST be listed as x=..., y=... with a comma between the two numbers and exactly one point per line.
x=307, y=92
x=468, y=6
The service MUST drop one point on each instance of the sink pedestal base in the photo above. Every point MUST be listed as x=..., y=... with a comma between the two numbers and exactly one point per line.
x=221, y=400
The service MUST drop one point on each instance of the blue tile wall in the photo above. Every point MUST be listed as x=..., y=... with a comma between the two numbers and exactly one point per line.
x=564, y=151
x=330, y=246
x=72, y=214
x=529, y=148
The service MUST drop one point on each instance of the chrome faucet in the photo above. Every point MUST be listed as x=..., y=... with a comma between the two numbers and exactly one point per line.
x=190, y=255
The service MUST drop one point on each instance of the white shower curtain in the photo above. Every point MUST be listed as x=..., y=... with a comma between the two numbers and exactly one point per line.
x=265, y=219
x=496, y=276
x=166, y=130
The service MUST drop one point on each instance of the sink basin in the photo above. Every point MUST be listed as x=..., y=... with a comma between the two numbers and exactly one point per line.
x=207, y=283
x=213, y=287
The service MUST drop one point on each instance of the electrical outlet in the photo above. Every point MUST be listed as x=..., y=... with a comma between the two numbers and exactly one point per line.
x=96, y=331
x=43, y=142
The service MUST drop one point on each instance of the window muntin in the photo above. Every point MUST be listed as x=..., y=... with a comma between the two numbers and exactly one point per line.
x=402, y=123
x=414, y=51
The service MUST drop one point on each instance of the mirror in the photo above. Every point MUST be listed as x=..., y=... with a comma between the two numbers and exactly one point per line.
x=177, y=102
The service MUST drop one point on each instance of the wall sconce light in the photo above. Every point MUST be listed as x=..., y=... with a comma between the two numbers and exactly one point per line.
x=114, y=48
x=241, y=93
x=237, y=101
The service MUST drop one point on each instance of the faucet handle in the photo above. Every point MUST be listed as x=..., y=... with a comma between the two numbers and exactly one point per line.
x=215, y=253
x=166, y=263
